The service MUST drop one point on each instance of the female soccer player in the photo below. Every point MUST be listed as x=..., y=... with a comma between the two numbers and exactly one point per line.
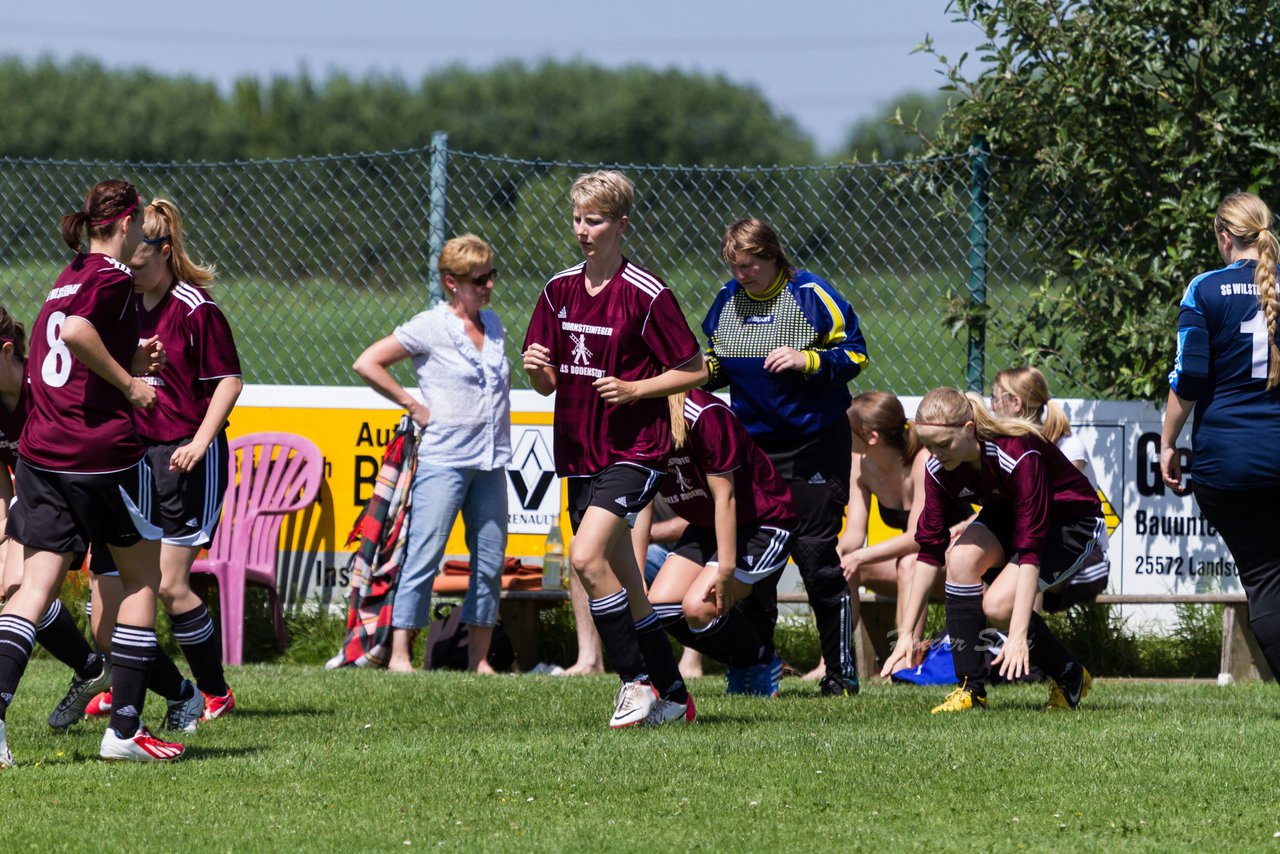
x=82, y=474
x=186, y=447
x=736, y=545
x=787, y=345
x=1024, y=393
x=608, y=337
x=889, y=464
x=57, y=630
x=1040, y=524
x=1228, y=370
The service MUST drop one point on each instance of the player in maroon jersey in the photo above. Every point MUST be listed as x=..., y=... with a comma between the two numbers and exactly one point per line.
x=186, y=443
x=13, y=414
x=82, y=475
x=608, y=337
x=736, y=546
x=1040, y=525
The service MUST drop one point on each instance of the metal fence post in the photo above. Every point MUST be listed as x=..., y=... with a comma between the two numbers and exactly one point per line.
x=979, y=199
x=437, y=208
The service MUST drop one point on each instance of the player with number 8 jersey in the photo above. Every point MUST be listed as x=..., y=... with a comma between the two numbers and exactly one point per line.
x=78, y=421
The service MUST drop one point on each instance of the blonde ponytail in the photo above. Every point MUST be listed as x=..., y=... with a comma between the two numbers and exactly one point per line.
x=679, y=427
x=950, y=407
x=1247, y=219
x=163, y=224
x=1264, y=277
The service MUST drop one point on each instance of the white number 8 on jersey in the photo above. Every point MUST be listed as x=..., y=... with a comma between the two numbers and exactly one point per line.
x=55, y=370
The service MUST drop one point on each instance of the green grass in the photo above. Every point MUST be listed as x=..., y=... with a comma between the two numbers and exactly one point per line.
x=357, y=760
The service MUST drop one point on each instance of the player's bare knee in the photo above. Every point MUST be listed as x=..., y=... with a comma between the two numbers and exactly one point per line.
x=698, y=613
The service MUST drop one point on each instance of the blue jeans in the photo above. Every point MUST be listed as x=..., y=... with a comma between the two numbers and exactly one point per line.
x=439, y=492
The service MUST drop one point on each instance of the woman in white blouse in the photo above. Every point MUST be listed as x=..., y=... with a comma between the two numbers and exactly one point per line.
x=459, y=354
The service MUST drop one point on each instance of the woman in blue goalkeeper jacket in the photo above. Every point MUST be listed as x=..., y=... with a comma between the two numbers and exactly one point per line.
x=787, y=344
x=1228, y=370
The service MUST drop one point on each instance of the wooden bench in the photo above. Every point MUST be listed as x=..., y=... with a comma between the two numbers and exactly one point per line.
x=1241, y=660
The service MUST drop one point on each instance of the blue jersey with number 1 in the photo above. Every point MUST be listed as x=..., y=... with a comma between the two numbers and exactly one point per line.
x=1222, y=366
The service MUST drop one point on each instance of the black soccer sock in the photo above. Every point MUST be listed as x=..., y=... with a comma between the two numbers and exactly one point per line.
x=671, y=616
x=17, y=639
x=133, y=654
x=965, y=622
x=664, y=672
x=732, y=640
x=1046, y=651
x=58, y=633
x=612, y=617
x=195, y=633
x=166, y=680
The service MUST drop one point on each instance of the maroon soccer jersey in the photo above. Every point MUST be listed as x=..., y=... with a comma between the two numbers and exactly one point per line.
x=1026, y=473
x=632, y=329
x=77, y=421
x=201, y=350
x=717, y=443
x=11, y=428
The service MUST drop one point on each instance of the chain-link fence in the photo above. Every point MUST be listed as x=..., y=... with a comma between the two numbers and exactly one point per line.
x=317, y=257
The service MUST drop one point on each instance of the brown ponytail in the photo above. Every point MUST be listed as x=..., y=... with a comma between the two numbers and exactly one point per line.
x=882, y=413
x=106, y=203
x=12, y=331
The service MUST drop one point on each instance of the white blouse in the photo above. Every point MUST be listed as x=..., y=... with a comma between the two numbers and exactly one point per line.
x=467, y=390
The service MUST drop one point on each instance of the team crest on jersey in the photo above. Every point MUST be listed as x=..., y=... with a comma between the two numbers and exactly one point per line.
x=581, y=355
x=758, y=319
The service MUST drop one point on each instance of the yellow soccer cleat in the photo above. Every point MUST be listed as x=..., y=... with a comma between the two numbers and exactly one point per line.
x=961, y=700
x=1068, y=696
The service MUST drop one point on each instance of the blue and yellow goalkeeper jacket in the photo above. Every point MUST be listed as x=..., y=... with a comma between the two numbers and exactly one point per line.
x=804, y=313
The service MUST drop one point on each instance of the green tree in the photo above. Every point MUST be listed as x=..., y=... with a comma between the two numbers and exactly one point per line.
x=1123, y=122
x=557, y=111
x=903, y=129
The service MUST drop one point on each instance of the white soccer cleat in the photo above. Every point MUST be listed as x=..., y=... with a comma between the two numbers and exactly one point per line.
x=141, y=747
x=6, y=758
x=634, y=703
x=671, y=712
x=183, y=715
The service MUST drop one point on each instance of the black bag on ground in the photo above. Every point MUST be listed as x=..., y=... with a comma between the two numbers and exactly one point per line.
x=447, y=643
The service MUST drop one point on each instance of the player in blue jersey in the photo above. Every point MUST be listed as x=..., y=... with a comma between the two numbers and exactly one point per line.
x=1228, y=370
x=787, y=344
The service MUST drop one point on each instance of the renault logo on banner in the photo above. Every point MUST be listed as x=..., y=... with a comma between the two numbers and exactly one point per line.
x=533, y=494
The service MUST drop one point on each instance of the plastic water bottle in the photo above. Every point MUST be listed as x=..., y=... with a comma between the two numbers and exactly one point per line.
x=553, y=575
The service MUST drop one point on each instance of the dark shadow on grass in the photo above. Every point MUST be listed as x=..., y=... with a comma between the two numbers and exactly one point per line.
x=241, y=712
x=201, y=753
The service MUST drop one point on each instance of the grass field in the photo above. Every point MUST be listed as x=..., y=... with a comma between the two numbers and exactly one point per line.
x=369, y=761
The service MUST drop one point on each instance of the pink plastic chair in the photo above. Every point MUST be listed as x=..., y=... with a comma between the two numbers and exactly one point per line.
x=269, y=475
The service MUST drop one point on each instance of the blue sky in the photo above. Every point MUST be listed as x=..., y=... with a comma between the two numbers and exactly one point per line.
x=826, y=63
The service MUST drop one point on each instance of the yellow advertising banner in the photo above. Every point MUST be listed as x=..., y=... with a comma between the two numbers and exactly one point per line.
x=352, y=427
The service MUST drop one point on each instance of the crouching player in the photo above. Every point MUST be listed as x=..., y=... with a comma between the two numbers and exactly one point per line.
x=717, y=590
x=1040, y=525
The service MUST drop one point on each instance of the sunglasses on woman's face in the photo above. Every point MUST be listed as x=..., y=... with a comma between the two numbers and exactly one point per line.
x=481, y=280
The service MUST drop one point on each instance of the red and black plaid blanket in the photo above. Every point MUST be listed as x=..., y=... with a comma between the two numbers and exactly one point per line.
x=375, y=566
